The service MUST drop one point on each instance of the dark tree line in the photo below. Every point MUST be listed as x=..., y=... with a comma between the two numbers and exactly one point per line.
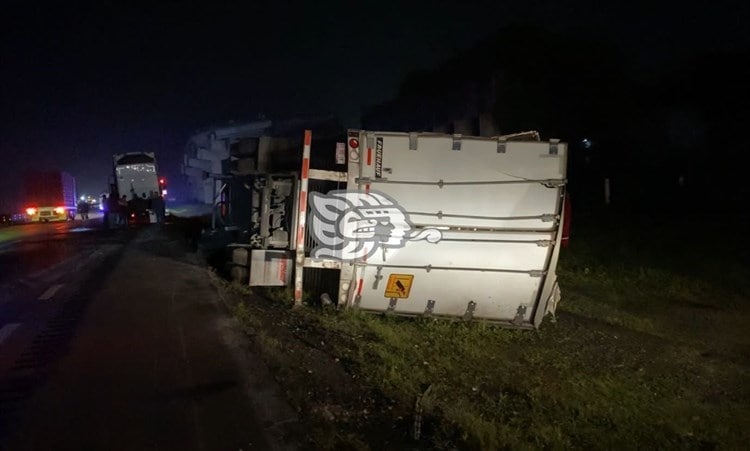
x=667, y=143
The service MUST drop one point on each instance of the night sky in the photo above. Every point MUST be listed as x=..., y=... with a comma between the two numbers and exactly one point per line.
x=79, y=83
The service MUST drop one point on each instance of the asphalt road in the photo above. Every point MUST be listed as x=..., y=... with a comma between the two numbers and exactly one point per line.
x=40, y=265
x=29, y=248
x=34, y=255
x=114, y=339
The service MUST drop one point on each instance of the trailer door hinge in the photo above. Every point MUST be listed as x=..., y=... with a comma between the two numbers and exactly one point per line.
x=456, y=142
x=520, y=315
x=430, y=308
x=501, y=145
x=553, y=146
x=378, y=278
x=470, y=307
x=413, y=141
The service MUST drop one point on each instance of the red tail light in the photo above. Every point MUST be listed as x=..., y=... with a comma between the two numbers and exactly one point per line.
x=60, y=210
x=31, y=211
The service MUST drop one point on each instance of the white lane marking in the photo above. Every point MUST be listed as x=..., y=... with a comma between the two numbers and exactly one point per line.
x=50, y=292
x=7, y=330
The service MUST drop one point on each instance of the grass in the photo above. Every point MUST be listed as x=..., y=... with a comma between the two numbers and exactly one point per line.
x=647, y=351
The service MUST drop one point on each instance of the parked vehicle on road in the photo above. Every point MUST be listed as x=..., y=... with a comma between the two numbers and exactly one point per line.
x=49, y=196
x=137, y=178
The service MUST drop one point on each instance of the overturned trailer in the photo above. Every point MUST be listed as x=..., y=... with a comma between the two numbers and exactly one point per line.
x=442, y=225
x=416, y=224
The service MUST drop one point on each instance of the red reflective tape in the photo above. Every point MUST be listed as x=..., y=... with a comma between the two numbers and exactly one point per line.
x=300, y=237
x=359, y=287
x=367, y=188
x=369, y=156
x=282, y=270
x=308, y=137
x=303, y=201
x=305, y=167
x=297, y=294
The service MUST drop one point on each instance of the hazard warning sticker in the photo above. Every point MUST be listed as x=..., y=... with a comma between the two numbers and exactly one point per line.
x=399, y=286
x=379, y=158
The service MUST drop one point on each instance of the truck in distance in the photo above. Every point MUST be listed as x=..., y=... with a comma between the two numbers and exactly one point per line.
x=136, y=174
x=49, y=196
x=137, y=179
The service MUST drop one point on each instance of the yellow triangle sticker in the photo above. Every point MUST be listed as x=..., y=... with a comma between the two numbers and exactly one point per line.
x=399, y=286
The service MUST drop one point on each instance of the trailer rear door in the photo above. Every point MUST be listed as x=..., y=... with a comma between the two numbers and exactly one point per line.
x=462, y=227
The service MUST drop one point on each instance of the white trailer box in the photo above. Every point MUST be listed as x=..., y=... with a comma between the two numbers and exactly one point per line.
x=136, y=174
x=443, y=225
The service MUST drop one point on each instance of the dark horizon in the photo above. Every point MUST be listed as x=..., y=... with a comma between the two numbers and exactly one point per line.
x=80, y=84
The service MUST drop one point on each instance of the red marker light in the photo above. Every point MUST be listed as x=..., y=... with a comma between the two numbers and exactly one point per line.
x=161, y=180
x=354, y=143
